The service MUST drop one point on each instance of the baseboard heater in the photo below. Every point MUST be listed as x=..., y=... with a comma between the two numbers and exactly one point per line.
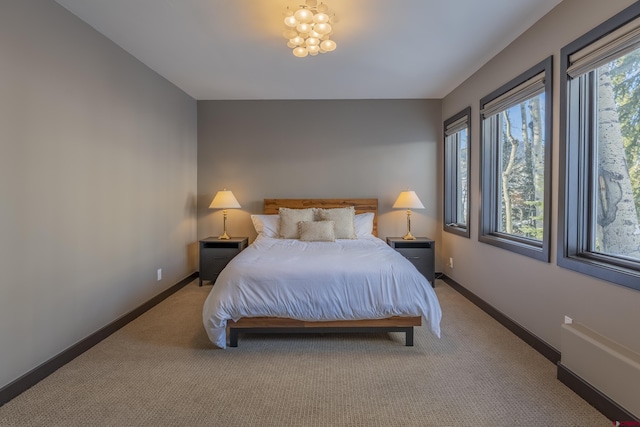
x=605, y=365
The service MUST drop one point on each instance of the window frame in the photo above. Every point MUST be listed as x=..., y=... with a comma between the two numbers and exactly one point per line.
x=450, y=178
x=489, y=171
x=576, y=162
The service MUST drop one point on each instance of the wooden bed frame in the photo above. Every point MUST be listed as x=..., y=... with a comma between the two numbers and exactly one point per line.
x=284, y=325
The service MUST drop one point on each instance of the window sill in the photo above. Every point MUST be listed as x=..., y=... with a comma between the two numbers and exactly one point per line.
x=519, y=246
x=628, y=277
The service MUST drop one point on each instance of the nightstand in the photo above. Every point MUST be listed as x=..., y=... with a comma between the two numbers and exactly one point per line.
x=216, y=253
x=421, y=253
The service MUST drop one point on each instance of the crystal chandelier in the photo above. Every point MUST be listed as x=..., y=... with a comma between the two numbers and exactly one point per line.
x=309, y=28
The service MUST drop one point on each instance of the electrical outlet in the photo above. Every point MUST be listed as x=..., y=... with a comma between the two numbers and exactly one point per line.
x=568, y=320
x=451, y=263
x=159, y=274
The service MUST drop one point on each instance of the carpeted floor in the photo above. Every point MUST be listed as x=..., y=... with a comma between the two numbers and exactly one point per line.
x=161, y=370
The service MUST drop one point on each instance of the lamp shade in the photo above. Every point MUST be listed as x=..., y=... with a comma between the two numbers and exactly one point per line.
x=224, y=200
x=408, y=200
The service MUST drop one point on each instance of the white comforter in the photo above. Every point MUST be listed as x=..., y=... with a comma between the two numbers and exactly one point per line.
x=312, y=281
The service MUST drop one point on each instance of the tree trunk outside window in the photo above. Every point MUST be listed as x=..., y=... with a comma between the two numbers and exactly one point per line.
x=617, y=218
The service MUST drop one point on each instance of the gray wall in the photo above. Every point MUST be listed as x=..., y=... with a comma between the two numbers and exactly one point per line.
x=537, y=295
x=97, y=183
x=318, y=149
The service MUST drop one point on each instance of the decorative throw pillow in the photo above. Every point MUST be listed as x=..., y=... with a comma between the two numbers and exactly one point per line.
x=317, y=231
x=343, y=217
x=363, y=224
x=289, y=219
x=266, y=224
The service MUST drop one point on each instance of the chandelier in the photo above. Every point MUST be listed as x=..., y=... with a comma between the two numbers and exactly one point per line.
x=309, y=28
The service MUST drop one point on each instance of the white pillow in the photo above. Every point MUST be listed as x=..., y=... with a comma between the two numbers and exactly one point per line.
x=364, y=224
x=289, y=219
x=266, y=224
x=343, y=217
x=317, y=231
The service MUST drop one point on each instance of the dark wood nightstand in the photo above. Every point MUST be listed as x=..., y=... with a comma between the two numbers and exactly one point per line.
x=216, y=253
x=421, y=253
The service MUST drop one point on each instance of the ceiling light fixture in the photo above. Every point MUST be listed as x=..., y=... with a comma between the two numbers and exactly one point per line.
x=309, y=29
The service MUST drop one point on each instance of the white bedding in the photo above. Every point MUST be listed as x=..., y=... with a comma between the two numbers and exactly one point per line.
x=311, y=281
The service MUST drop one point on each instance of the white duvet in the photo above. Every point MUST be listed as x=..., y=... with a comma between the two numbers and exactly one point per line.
x=312, y=281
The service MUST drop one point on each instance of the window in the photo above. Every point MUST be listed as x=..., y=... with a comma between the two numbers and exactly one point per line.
x=515, y=164
x=599, y=233
x=456, y=173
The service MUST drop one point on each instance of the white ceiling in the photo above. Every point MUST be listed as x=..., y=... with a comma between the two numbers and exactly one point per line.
x=387, y=49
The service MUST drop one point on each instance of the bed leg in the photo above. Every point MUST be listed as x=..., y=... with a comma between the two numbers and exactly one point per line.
x=409, y=337
x=233, y=337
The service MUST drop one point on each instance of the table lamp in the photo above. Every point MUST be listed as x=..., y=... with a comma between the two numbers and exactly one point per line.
x=408, y=200
x=224, y=200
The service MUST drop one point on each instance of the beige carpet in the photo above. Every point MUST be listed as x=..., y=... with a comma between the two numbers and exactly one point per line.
x=161, y=370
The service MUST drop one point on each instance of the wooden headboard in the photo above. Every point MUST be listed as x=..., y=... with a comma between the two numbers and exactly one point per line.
x=271, y=206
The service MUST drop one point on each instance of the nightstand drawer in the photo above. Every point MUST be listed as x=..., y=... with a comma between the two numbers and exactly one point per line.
x=212, y=253
x=413, y=253
x=215, y=263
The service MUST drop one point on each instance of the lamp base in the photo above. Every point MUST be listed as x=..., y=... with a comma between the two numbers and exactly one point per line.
x=224, y=236
x=408, y=236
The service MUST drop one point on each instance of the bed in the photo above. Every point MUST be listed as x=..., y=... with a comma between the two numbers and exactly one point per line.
x=289, y=285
